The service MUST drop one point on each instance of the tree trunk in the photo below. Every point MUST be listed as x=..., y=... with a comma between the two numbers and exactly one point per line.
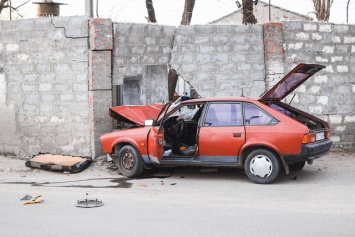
x=2, y=5
x=187, y=15
x=248, y=16
x=172, y=80
x=322, y=9
x=151, y=12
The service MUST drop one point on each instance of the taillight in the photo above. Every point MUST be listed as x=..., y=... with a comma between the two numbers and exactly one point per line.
x=328, y=133
x=311, y=137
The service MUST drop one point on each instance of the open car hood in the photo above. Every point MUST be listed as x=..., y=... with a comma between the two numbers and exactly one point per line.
x=292, y=80
x=135, y=113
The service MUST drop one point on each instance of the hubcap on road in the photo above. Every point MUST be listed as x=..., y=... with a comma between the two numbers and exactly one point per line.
x=127, y=161
x=261, y=166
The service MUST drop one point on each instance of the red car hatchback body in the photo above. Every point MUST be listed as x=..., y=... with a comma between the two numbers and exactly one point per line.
x=262, y=135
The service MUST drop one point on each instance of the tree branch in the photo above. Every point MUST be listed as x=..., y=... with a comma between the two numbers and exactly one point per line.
x=187, y=14
x=2, y=6
x=22, y=4
x=151, y=12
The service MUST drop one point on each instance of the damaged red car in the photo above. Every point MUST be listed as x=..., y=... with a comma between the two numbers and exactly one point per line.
x=264, y=136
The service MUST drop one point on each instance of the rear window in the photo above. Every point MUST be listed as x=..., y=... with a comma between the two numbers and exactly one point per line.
x=255, y=116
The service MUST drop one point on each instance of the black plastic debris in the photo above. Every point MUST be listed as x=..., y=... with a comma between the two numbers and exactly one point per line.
x=89, y=203
x=26, y=197
x=112, y=166
x=72, y=164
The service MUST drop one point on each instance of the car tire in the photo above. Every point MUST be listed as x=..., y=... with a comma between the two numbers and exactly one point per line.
x=262, y=166
x=296, y=166
x=130, y=163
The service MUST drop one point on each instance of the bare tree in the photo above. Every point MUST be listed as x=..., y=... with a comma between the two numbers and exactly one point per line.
x=322, y=9
x=4, y=5
x=248, y=16
x=172, y=81
x=151, y=13
x=186, y=19
x=187, y=14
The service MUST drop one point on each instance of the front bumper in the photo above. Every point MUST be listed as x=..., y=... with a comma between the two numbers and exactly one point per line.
x=309, y=152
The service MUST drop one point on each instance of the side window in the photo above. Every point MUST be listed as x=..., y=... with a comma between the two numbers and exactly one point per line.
x=224, y=114
x=187, y=112
x=255, y=116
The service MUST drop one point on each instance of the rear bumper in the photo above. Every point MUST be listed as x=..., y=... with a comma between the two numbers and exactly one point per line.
x=309, y=152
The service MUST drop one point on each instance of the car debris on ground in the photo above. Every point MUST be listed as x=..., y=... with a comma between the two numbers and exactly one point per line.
x=66, y=163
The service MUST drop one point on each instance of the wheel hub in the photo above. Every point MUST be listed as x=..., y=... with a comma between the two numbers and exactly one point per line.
x=261, y=166
x=127, y=161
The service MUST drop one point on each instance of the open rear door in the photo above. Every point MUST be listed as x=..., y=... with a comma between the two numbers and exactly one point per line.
x=291, y=81
x=155, y=144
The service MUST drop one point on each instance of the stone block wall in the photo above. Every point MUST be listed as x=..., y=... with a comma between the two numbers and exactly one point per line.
x=138, y=46
x=221, y=60
x=100, y=81
x=330, y=94
x=44, y=102
x=57, y=74
x=274, y=53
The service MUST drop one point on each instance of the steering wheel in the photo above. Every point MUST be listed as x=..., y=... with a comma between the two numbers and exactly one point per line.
x=178, y=128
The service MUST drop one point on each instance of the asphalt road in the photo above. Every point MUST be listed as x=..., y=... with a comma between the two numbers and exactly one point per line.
x=317, y=201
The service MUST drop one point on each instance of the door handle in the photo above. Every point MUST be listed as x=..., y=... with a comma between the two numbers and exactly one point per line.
x=237, y=134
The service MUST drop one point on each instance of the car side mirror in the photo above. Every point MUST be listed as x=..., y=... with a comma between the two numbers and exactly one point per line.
x=148, y=122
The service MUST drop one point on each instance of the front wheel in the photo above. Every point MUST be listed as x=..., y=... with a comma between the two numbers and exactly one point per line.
x=130, y=162
x=262, y=166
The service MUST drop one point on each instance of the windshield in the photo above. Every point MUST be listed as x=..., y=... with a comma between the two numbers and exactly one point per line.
x=167, y=107
x=172, y=105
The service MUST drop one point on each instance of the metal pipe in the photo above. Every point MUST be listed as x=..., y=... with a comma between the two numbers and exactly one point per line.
x=89, y=8
x=10, y=10
x=269, y=11
x=347, y=12
x=97, y=8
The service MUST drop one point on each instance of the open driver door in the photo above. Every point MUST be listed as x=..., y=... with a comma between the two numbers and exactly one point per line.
x=156, y=144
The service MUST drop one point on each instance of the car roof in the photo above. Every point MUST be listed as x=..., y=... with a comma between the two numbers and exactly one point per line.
x=219, y=99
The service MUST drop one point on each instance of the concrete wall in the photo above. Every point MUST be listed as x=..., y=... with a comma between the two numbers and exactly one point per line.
x=139, y=48
x=274, y=53
x=330, y=94
x=100, y=81
x=44, y=102
x=57, y=74
x=221, y=60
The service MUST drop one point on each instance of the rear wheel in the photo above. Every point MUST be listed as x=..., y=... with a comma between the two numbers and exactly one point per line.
x=296, y=166
x=130, y=162
x=262, y=166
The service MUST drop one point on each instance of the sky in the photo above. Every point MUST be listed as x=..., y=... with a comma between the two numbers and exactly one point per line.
x=169, y=12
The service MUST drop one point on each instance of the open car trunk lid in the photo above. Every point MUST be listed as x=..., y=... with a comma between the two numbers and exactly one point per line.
x=291, y=81
x=135, y=113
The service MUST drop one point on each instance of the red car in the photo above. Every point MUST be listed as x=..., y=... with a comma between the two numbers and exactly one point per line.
x=262, y=135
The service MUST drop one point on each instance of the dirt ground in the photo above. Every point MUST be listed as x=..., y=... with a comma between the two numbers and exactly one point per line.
x=12, y=166
x=317, y=201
